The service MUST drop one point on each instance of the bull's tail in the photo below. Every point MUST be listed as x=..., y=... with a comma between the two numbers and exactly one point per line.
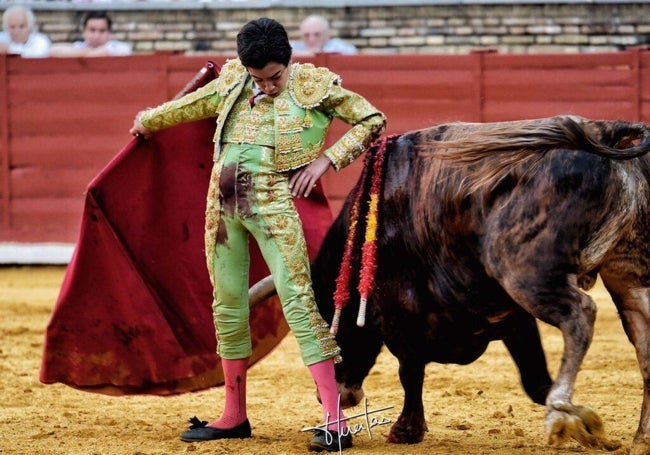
x=618, y=139
x=466, y=143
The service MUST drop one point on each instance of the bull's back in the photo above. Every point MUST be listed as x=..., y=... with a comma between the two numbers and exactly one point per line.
x=574, y=203
x=565, y=207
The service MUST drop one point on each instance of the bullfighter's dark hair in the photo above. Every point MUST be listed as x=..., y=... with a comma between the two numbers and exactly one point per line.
x=263, y=41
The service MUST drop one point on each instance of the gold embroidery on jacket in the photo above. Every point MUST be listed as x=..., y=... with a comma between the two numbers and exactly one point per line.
x=196, y=105
x=309, y=85
x=232, y=74
x=250, y=125
x=288, y=144
x=282, y=107
x=349, y=146
x=289, y=125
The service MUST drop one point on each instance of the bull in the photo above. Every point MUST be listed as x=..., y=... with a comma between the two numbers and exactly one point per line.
x=483, y=229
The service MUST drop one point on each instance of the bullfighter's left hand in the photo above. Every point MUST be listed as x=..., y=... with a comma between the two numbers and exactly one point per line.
x=305, y=179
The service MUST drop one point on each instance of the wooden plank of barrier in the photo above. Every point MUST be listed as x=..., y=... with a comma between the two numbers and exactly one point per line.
x=595, y=86
x=182, y=69
x=544, y=61
x=644, y=85
x=560, y=84
x=62, y=120
x=68, y=118
x=5, y=183
x=45, y=220
x=56, y=183
x=60, y=151
x=509, y=110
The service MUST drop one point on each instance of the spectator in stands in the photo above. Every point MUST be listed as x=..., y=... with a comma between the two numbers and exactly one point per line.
x=315, y=32
x=20, y=36
x=97, y=42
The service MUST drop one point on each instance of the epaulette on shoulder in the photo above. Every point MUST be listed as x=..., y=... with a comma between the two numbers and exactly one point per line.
x=232, y=73
x=310, y=85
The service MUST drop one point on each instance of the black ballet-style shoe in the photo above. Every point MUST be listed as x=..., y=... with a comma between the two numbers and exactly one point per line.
x=199, y=431
x=329, y=440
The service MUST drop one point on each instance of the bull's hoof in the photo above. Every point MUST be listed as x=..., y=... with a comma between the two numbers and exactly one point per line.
x=640, y=445
x=407, y=431
x=639, y=449
x=566, y=421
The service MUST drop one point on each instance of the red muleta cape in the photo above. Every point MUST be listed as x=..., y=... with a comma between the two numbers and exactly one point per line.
x=134, y=312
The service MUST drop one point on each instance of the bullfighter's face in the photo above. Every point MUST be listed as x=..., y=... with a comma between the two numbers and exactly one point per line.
x=271, y=79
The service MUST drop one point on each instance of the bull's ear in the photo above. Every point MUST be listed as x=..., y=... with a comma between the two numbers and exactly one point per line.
x=260, y=291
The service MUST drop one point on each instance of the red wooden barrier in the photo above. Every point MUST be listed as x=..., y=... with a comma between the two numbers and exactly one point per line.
x=62, y=120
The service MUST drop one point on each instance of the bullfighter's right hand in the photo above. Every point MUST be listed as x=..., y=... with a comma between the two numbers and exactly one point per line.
x=138, y=129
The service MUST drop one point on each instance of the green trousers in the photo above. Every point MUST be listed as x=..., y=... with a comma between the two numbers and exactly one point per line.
x=254, y=199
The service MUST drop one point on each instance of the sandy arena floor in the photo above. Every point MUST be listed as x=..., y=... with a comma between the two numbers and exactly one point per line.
x=475, y=409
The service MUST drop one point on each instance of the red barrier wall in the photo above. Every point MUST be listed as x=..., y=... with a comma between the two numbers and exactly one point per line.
x=62, y=120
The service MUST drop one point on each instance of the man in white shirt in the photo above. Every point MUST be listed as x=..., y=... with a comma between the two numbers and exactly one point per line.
x=97, y=42
x=315, y=32
x=20, y=36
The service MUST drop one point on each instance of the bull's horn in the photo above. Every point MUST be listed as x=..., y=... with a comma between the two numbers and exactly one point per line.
x=261, y=291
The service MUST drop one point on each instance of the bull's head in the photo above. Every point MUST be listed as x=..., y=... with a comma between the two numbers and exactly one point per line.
x=359, y=349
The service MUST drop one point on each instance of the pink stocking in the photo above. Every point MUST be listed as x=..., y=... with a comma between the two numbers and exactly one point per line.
x=234, y=372
x=323, y=374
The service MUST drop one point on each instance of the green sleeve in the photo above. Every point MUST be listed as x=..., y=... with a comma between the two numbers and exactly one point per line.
x=367, y=125
x=201, y=104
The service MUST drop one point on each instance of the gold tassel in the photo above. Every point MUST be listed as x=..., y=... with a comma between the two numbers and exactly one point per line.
x=307, y=123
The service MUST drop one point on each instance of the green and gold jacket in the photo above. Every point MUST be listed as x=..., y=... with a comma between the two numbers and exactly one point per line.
x=303, y=113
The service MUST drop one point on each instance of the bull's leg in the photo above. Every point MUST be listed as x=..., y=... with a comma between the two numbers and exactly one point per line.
x=410, y=425
x=525, y=346
x=565, y=420
x=560, y=303
x=629, y=288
